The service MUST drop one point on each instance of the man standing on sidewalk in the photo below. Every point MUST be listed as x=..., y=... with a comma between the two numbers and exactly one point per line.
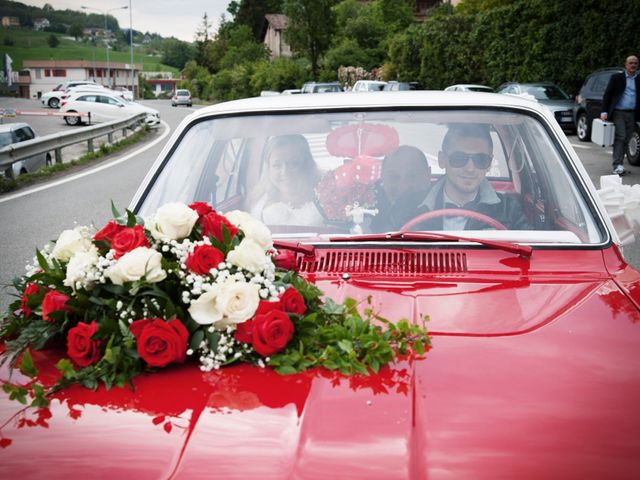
x=621, y=104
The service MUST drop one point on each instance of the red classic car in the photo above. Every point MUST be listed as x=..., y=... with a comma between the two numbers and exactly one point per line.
x=473, y=210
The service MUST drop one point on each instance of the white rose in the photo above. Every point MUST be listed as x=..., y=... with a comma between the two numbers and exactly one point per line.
x=205, y=309
x=172, y=221
x=82, y=268
x=140, y=262
x=238, y=302
x=249, y=255
x=71, y=241
x=252, y=228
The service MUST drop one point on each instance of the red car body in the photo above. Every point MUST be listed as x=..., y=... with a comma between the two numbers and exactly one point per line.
x=533, y=373
x=534, y=369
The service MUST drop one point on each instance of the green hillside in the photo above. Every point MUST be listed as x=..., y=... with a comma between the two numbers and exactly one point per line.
x=23, y=44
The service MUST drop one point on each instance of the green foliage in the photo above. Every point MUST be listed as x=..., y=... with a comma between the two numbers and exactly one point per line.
x=177, y=53
x=310, y=28
x=251, y=13
x=53, y=41
x=278, y=75
x=495, y=41
x=76, y=31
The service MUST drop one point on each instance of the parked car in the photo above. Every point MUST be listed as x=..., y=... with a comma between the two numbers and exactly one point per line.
x=124, y=93
x=467, y=87
x=104, y=107
x=393, y=86
x=52, y=99
x=181, y=97
x=368, y=86
x=319, y=87
x=589, y=106
x=11, y=133
x=548, y=94
x=533, y=371
x=291, y=91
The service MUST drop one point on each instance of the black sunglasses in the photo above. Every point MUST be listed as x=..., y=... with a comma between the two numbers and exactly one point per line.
x=460, y=159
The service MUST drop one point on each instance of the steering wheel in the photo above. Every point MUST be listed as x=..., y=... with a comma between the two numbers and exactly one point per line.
x=453, y=212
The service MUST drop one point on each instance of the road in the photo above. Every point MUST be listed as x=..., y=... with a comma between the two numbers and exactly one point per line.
x=32, y=217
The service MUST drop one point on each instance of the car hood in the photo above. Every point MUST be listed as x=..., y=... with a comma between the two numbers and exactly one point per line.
x=558, y=104
x=531, y=374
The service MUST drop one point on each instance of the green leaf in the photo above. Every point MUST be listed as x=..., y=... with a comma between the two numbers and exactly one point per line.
x=346, y=345
x=196, y=339
x=114, y=210
x=66, y=368
x=131, y=219
x=27, y=366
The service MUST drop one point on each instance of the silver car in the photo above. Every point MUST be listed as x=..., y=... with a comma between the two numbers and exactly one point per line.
x=181, y=97
x=11, y=133
x=549, y=94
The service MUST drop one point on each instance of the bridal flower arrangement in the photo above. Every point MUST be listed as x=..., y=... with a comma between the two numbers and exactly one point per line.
x=187, y=282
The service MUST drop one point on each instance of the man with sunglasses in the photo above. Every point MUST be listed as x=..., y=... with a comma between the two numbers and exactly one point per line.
x=466, y=156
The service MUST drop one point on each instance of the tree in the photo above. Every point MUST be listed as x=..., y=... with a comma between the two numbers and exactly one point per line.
x=53, y=41
x=252, y=12
x=177, y=53
x=310, y=28
x=203, y=39
x=76, y=31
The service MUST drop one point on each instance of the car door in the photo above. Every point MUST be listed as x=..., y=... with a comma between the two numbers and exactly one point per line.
x=111, y=108
x=594, y=98
x=30, y=164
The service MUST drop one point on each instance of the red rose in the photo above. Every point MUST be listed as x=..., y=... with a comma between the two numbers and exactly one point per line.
x=201, y=208
x=137, y=326
x=265, y=307
x=212, y=225
x=244, y=331
x=31, y=289
x=129, y=239
x=80, y=347
x=271, y=332
x=292, y=301
x=53, y=302
x=109, y=231
x=161, y=343
x=204, y=258
x=285, y=259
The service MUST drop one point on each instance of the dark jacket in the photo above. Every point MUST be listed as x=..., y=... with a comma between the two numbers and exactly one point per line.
x=613, y=93
x=506, y=209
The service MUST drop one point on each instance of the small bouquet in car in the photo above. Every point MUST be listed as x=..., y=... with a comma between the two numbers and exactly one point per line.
x=142, y=294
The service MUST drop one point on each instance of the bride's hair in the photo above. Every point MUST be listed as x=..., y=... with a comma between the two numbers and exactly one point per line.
x=310, y=174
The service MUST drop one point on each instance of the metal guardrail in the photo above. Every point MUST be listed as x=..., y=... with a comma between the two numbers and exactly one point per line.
x=57, y=141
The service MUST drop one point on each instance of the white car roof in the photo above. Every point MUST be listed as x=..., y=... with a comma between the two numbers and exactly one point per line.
x=340, y=100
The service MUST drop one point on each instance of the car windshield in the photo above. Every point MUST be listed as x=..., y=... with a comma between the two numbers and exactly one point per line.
x=182, y=93
x=482, y=173
x=546, y=92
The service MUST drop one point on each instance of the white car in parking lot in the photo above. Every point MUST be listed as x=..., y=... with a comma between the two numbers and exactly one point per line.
x=104, y=107
x=54, y=98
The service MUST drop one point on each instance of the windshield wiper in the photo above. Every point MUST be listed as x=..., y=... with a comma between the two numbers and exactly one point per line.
x=308, y=250
x=524, y=251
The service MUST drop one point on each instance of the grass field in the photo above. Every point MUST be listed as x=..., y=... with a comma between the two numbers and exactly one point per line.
x=32, y=45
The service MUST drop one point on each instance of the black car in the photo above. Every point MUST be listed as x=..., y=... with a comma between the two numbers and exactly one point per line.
x=589, y=106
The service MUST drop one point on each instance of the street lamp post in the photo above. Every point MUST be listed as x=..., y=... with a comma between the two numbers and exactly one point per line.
x=133, y=89
x=106, y=13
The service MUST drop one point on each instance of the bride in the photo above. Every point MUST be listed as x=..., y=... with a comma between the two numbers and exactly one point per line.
x=285, y=192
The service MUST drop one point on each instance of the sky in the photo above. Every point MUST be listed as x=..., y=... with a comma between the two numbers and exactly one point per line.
x=177, y=18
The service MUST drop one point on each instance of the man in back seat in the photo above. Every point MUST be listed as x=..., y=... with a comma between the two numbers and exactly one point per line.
x=466, y=156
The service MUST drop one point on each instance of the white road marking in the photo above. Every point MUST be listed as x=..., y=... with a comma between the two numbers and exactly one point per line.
x=97, y=169
x=575, y=145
